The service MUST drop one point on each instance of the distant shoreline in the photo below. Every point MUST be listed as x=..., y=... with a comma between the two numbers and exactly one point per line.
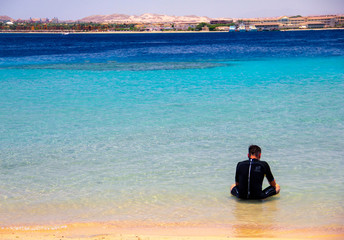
x=149, y=32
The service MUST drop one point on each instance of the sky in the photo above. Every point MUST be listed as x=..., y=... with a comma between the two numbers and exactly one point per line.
x=77, y=9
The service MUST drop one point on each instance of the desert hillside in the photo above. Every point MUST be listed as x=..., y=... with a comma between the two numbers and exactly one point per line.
x=144, y=18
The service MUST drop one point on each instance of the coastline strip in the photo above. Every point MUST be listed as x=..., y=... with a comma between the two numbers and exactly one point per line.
x=156, y=32
x=169, y=231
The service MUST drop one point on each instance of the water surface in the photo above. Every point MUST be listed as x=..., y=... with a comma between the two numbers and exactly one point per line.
x=150, y=127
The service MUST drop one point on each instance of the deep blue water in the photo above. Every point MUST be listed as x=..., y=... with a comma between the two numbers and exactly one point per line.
x=101, y=127
x=43, y=48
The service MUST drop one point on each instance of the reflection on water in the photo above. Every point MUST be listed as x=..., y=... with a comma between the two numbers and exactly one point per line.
x=255, y=218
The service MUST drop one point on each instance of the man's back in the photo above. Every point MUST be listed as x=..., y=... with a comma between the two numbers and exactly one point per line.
x=250, y=175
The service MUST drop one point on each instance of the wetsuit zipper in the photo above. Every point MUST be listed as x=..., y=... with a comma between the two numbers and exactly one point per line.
x=249, y=176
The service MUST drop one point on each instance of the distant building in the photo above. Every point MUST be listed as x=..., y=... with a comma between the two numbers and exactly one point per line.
x=253, y=21
x=55, y=20
x=327, y=21
x=168, y=28
x=185, y=26
x=314, y=25
x=268, y=26
x=222, y=28
x=250, y=21
x=44, y=20
x=221, y=21
x=248, y=24
x=139, y=26
x=297, y=20
x=205, y=28
x=292, y=22
x=340, y=20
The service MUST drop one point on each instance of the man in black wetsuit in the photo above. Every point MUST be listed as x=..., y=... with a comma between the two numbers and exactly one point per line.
x=250, y=175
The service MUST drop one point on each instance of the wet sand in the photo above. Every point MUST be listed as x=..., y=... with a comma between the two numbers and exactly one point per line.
x=167, y=231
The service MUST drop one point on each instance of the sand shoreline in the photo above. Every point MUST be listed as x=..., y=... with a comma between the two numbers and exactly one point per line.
x=146, y=230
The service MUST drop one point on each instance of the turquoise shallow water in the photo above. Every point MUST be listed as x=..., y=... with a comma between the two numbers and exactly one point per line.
x=159, y=140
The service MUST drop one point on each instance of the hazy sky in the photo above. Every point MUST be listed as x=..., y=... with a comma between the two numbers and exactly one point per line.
x=76, y=9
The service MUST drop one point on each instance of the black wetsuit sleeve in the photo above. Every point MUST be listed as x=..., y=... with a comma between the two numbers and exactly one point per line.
x=268, y=172
x=237, y=174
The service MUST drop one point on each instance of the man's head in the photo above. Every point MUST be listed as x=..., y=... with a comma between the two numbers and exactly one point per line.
x=254, y=151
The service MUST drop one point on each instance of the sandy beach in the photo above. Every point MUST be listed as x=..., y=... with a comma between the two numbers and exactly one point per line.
x=168, y=231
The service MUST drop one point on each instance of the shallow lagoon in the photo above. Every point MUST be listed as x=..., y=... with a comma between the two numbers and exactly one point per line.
x=150, y=127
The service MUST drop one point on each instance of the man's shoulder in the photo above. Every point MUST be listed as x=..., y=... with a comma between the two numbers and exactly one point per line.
x=264, y=164
x=243, y=162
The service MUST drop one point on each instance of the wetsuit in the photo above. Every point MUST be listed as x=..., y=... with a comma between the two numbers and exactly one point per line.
x=250, y=175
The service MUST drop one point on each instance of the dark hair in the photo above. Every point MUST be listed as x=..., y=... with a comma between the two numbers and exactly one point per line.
x=254, y=150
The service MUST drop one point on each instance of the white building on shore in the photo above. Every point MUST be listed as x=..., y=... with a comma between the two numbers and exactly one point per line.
x=285, y=22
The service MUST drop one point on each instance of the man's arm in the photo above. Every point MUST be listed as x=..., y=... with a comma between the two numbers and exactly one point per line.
x=235, y=184
x=275, y=185
x=236, y=177
x=271, y=178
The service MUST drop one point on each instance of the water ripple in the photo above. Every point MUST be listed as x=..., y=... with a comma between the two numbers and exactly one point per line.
x=116, y=66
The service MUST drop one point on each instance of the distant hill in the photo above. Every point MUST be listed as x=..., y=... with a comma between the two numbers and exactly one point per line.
x=5, y=18
x=144, y=18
